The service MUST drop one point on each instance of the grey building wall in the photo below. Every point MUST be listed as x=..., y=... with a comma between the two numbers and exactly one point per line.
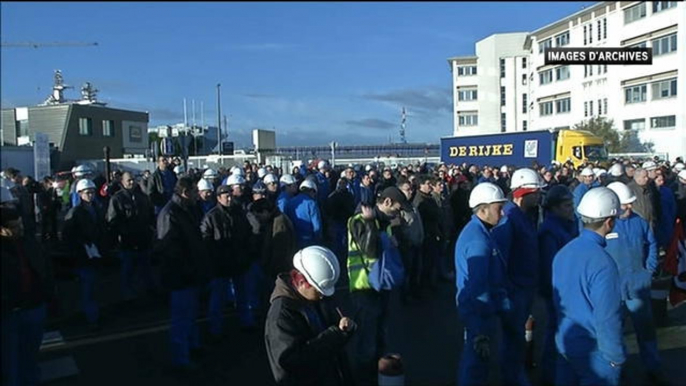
x=49, y=120
x=9, y=127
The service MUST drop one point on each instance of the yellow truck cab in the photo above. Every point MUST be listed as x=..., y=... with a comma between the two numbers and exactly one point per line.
x=579, y=146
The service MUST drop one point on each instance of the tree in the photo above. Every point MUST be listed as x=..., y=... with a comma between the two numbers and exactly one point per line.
x=627, y=142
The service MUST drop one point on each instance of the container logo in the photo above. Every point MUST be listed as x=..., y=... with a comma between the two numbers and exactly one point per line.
x=531, y=148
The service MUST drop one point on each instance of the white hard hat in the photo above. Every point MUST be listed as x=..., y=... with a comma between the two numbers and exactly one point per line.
x=308, y=184
x=368, y=168
x=319, y=266
x=649, y=165
x=679, y=167
x=486, y=193
x=288, y=179
x=203, y=184
x=82, y=170
x=626, y=196
x=600, y=172
x=617, y=170
x=237, y=171
x=323, y=164
x=270, y=179
x=587, y=172
x=84, y=184
x=503, y=169
x=209, y=173
x=525, y=178
x=235, y=179
x=682, y=174
x=6, y=194
x=179, y=169
x=261, y=172
x=599, y=203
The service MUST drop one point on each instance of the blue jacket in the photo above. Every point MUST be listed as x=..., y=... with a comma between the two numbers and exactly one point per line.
x=354, y=189
x=579, y=193
x=323, y=187
x=206, y=206
x=665, y=226
x=587, y=299
x=366, y=195
x=554, y=233
x=282, y=201
x=481, y=277
x=634, y=248
x=517, y=240
x=303, y=212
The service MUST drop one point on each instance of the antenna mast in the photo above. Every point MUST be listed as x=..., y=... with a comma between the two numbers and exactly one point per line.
x=402, y=126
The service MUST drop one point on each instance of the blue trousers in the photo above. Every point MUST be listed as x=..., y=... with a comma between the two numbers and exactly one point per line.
x=641, y=314
x=591, y=369
x=184, y=331
x=513, y=349
x=248, y=287
x=22, y=334
x=473, y=369
x=219, y=297
x=135, y=265
x=89, y=305
x=549, y=356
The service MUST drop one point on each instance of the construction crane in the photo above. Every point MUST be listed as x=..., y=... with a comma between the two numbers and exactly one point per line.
x=52, y=44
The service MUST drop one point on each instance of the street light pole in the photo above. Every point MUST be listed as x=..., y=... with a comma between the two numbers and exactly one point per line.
x=219, y=120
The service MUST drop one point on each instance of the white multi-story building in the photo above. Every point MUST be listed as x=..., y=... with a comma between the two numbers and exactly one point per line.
x=647, y=99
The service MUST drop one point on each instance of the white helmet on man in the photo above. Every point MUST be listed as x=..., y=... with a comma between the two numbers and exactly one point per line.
x=587, y=172
x=235, y=179
x=84, y=184
x=179, y=169
x=503, y=169
x=616, y=170
x=626, y=196
x=649, y=165
x=237, y=171
x=323, y=164
x=203, y=184
x=486, y=193
x=525, y=178
x=270, y=179
x=287, y=179
x=209, y=174
x=319, y=266
x=81, y=171
x=679, y=167
x=599, y=203
x=682, y=175
x=308, y=184
x=261, y=172
x=600, y=172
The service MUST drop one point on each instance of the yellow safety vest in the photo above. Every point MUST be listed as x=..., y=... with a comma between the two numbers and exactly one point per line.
x=358, y=263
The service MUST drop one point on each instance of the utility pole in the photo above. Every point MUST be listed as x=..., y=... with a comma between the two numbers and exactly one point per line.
x=219, y=120
x=195, y=142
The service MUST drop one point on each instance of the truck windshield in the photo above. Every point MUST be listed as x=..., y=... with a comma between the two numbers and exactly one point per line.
x=595, y=152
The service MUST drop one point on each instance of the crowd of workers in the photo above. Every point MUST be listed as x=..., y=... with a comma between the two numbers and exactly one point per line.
x=585, y=239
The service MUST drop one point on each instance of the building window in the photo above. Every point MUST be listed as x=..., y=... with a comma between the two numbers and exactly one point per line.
x=503, y=122
x=635, y=124
x=590, y=107
x=466, y=95
x=523, y=62
x=640, y=45
x=502, y=95
x=22, y=128
x=524, y=125
x=662, y=5
x=108, y=128
x=562, y=39
x=664, y=45
x=85, y=126
x=468, y=119
x=546, y=76
x=600, y=30
x=634, y=13
x=600, y=107
x=604, y=28
x=544, y=44
x=664, y=89
x=590, y=33
x=562, y=73
x=546, y=108
x=635, y=94
x=663, y=122
x=524, y=102
x=524, y=79
x=502, y=67
x=563, y=105
x=590, y=70
x=585, y=109
x=585, y=36
x=605, y=105
x=466, y=70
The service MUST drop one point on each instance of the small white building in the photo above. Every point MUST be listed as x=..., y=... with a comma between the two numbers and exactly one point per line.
x=648, y=99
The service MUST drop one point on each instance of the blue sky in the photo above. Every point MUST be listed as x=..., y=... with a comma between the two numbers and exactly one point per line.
x=314, y=72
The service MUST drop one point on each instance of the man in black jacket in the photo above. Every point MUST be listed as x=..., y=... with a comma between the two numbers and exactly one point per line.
x=161, y=184
x=183, y=270
x=130, y=215
x=305, y=340
x=225, y=231
x=433, y=235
